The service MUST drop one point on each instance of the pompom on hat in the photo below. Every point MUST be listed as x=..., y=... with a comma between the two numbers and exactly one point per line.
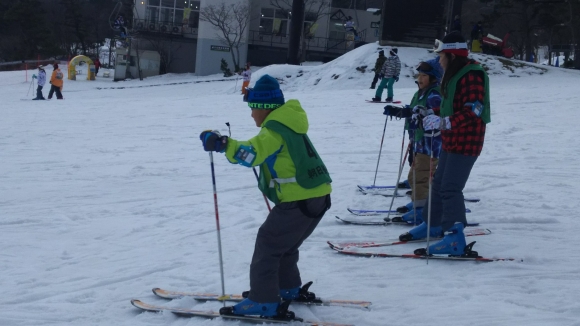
x=266, y=94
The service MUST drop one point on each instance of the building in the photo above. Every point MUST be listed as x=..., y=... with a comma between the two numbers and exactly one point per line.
x=186, y=43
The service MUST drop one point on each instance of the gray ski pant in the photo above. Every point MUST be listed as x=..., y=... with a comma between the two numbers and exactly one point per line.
x=275, y=262
x=447, y=202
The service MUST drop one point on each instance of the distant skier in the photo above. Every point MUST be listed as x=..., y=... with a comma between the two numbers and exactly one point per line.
x=120, y=25
x=97, y=63
x=456, y=25
x=465, y=111
x=56, y=82
x=246, y=76
x=41, y=81
x=350, y=27
x=293, y=176
x=389, y=75
x=378, y=66
x=425, y=102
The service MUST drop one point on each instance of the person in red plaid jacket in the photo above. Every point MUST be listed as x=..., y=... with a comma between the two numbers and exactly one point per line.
x=464, y=113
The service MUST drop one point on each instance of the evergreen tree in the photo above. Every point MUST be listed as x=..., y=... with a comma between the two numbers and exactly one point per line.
x=24, y=31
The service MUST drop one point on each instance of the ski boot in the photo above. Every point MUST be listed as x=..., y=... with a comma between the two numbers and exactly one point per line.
x=300, y=294
x=295, y=294
x=405, y=184
x=389, y=100
x=406, y=208
x=414, y=217
x=420, y=232
x=409, y=217
x=376, y=99
x=453, y=244
x=272, y=310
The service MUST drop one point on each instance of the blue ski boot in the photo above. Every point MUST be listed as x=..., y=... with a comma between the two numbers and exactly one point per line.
x=406, y=208
x=420, y=232
x=413, y=218
x=453, y=244
x=272, y=310
x=298, y=293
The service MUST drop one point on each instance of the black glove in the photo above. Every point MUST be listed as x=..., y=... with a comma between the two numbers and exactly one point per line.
x=381, y=76
x=396, y=78
x=213, y=141
x=396, y=111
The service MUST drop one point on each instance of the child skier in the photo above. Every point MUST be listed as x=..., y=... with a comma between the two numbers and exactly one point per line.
x=41, y=82
x=426, y=101
x=389, y=75
x=464, y=113
x=247, y=76
x=293, y=176
x=56, y=81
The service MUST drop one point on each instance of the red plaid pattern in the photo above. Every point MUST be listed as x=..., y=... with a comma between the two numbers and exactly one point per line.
x=467, y=129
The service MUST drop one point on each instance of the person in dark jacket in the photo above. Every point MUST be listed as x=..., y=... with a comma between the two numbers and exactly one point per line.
x=456, y=25
x=389, y=75
x=97, y=63
x=378, y=66
x=464, y=114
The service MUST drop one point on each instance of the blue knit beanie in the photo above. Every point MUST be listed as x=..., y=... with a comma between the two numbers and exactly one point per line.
x=431, y=68
x=266, y=94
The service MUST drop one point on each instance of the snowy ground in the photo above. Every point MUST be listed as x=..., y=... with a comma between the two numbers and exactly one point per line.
x=108, y=194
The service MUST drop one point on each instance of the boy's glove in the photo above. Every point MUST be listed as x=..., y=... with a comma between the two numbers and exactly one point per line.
x=213, y=141
x=33, y=76
x=396, y=78
x=432, y=122
x=419, y=109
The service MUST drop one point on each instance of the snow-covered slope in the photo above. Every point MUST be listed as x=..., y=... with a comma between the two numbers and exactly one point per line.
x=108, y=194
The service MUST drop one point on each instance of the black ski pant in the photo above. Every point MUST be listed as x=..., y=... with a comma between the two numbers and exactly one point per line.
x=39, y=92
x=375, y=80
x=447, y=202
x=54, y=89
x=275, y=262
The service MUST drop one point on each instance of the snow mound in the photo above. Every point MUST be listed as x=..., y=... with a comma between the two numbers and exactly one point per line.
x=354, y=69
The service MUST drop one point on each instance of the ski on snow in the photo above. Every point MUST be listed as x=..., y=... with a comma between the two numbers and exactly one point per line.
x=355, y=252
x=184, y=312
x=388, y=191
x=375, y=212
x=469, y=232
x=382, y=222
x=384, y=102
x=168, y=294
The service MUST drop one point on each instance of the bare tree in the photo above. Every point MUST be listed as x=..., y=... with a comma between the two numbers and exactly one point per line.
x=231, y=21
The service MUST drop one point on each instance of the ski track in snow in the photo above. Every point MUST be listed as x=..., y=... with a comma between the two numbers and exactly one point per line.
x=108, y=194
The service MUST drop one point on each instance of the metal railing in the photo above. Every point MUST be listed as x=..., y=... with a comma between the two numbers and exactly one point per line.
x=320, y=44
x=166, y=27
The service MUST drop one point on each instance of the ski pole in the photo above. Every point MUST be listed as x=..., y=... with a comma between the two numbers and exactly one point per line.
x=265, y=198
x=414, y=188
x=217, y=222
x=29, y=87
x=381, y=149
x=255, y=172
x=431, y=172
x=399, y=174
x=236, y=87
